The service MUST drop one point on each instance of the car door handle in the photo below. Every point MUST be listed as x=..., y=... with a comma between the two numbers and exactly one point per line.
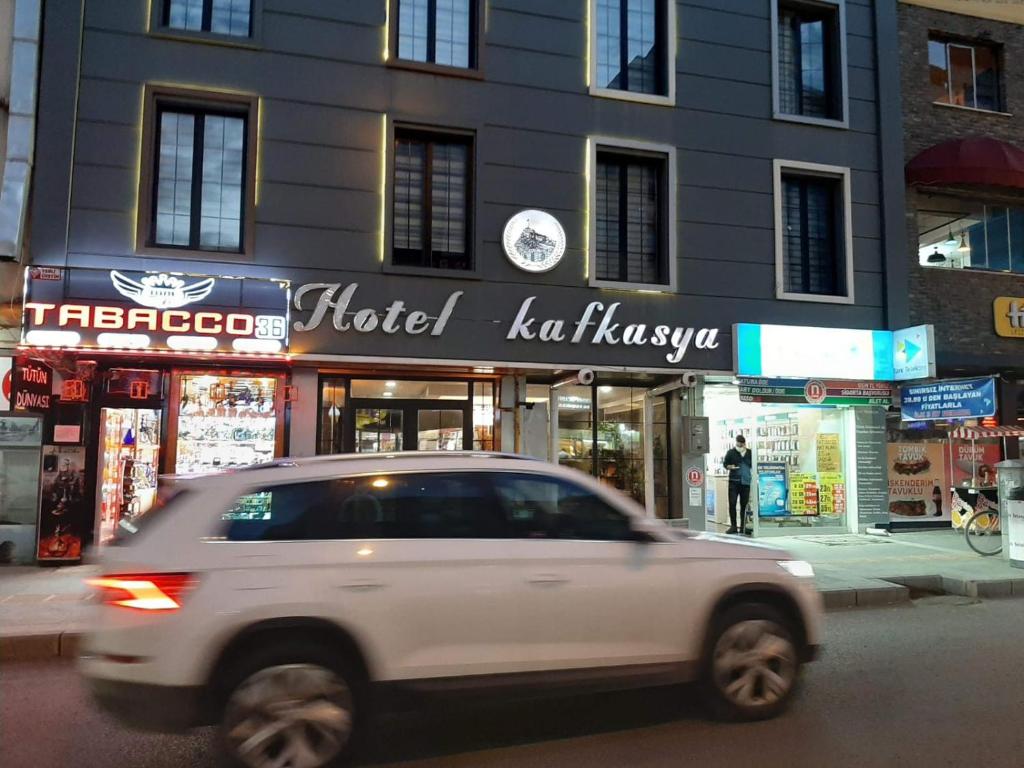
x=547, y=579
x=362, y=585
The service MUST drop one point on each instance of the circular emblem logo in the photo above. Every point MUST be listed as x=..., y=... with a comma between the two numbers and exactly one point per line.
x=814, y=392
x=7, y=386
x=534, y=241
x=695, y=477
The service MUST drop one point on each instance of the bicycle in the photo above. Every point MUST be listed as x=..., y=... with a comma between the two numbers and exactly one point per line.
x=982, y=532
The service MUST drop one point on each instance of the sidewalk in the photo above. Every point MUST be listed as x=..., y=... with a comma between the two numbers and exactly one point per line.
x=43, y=610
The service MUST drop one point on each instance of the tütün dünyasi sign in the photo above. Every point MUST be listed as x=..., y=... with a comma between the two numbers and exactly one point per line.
x=599, y=323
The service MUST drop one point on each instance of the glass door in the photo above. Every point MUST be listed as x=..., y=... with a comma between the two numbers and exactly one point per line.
x=384, y=426
x=378, y=429
x=129, y=464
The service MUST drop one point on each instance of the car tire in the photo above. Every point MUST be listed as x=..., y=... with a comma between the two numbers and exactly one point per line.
x=303, y=697
x=751, y=663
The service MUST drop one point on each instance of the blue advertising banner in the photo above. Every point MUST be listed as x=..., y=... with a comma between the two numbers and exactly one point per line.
x=960, y=399
x=772, y=493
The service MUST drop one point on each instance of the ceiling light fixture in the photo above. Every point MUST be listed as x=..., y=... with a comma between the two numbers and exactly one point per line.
x=935, y=257
x=963, y=247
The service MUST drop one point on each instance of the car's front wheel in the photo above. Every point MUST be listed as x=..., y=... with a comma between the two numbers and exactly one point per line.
x=752, y=664
x=293, y=709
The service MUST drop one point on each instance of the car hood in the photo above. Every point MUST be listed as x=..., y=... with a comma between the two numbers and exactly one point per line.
x=733, y=546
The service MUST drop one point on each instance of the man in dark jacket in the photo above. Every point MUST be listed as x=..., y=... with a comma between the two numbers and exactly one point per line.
x=739, y=462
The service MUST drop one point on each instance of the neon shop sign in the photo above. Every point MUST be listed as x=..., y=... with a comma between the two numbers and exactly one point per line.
x=156, y=320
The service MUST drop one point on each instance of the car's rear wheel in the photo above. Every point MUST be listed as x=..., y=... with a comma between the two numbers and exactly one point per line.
x=296, y=708
x=752, y=664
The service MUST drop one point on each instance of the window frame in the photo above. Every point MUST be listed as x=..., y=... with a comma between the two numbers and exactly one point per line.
x=477, y=27
x=842, y=77
x=157, y=99
x=669, y=60
x=782, y=168
x=158, y=28
x=646, y=150
x=394, y=127
x=997, y=53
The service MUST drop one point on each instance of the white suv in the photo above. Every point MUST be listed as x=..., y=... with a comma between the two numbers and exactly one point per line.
x=278, y=601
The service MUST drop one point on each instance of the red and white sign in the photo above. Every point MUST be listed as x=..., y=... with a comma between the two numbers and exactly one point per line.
x=5, y=388
x=815, y=391
x=695, y=477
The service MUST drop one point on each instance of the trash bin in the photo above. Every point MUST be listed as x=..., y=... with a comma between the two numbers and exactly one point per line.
x=1011, y=509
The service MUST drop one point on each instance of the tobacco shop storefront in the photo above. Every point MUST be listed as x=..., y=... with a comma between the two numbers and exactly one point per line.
x=152, y=373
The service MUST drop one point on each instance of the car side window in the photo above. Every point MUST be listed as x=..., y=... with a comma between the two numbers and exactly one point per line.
x=397, y=506
x=549, y=507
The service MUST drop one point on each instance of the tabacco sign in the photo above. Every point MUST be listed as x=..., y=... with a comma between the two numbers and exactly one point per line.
x=1009, y=316
x=599, y=323
x=33, y=386
x=94, y=309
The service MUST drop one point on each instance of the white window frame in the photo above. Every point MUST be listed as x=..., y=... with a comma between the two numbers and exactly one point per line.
x=842, y=173
x=668, y=151
x=671, y=38
x=946, y=45
x=844, y=98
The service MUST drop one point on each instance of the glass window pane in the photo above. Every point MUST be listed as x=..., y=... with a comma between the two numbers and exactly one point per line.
x=410, y=178
x=448, y=198
x=812, y=68
x=185, y=14
x=453, y=33
x=540, y=507
x=641, y=46
x=812, y=258
x=223, y=159
x=378, y=430
x=606, y=216
x=575, y=428
x=452, y=506
x=620, y=439
x=332, y=414
x=642, y=224
x=174, y=179
x=961, y=66
x=950, y=233
x=938, y=71
x=609, y=42
x=806, y=38
x=629, y=250
x=412, y=29
x=997, y=238
x=439, y=430
x=986, y=78
x=408, y=389
x=230, y=17
x=1017, y=240
x=483, y=416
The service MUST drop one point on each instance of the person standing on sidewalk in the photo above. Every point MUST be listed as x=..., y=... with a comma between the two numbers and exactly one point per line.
x=739, y=462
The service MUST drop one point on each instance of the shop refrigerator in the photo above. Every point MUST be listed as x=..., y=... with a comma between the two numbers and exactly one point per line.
x=20, y=452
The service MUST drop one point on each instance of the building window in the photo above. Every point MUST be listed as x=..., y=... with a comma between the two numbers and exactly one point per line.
x=965, y=75
x=438, y=32
x=809, y=60
x=813, y=239
x=220, y=17
x=632, y=193
x=631, y=46
x=199, y=179
x=431, y=221
x=959, y=233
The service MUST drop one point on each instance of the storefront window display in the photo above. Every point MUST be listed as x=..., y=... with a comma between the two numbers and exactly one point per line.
x=801, y=459
x=226, y=421
x=20, y=445
x=129, y=465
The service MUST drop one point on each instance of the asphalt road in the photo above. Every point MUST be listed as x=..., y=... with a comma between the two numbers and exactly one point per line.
x=937, y=684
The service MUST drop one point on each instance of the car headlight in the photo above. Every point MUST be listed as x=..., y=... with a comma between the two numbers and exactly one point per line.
x=799, y=568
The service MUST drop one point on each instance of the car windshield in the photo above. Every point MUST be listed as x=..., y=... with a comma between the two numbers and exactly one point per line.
x=167, y=497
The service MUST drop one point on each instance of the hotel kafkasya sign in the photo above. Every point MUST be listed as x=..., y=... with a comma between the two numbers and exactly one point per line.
x=494, y=326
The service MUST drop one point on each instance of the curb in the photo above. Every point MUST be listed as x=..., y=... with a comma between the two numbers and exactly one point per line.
x=900, y=589
x=42, y=646
x=868, y=597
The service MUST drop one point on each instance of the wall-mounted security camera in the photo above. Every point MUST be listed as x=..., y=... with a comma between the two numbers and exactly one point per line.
x=689, y=379
x=584, y=377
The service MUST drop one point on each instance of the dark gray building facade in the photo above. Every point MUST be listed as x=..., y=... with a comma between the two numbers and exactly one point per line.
x=683, y=166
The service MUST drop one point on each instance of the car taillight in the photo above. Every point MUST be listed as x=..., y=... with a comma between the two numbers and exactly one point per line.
x=145, y=591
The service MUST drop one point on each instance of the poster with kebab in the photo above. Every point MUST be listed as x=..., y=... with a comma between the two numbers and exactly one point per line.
x=918, y=482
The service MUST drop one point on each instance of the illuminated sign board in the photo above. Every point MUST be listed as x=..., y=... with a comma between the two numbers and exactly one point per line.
x=789, y=351
x=122, y=310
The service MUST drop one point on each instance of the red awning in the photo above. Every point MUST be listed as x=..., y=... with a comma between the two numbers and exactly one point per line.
x=977, y=433
x=978, y=161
